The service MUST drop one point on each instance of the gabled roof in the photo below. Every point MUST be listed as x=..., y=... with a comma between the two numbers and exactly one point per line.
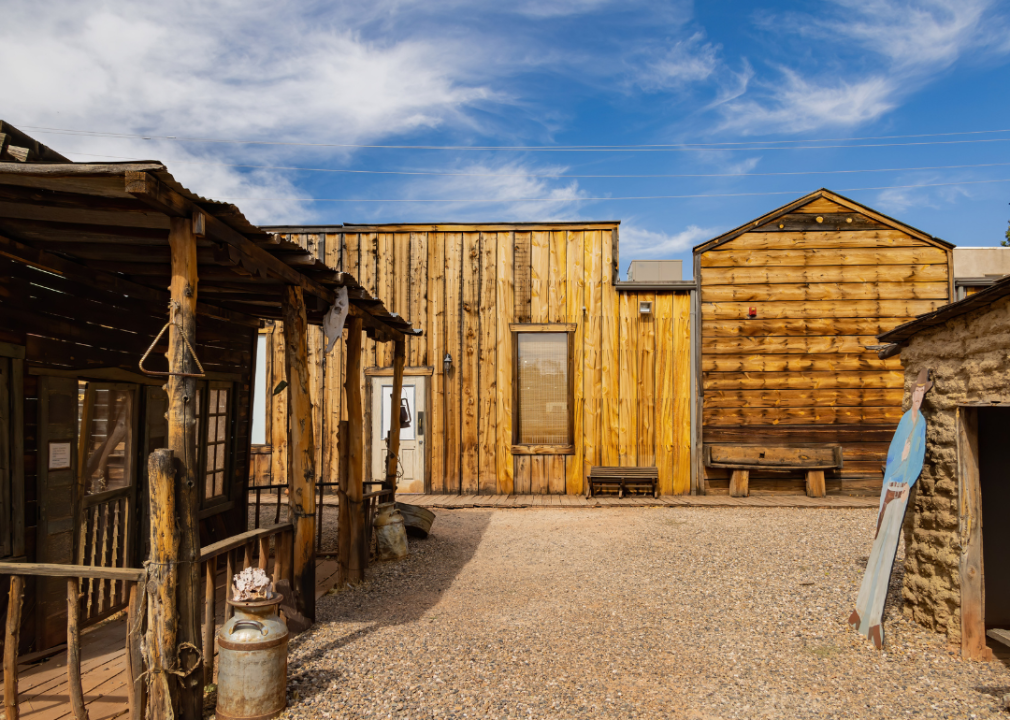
x=981, y=299
x=828, y=195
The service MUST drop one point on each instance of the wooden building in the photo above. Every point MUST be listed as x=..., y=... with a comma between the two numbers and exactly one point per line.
x=94, y=259
x=790, y=305
x=957, y=541
x=608, y=379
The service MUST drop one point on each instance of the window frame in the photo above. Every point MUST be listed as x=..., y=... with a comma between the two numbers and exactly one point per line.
x=569, y=330
x=203, y=443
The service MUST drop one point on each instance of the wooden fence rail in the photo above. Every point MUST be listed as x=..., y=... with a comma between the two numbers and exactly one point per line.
x=75, y=575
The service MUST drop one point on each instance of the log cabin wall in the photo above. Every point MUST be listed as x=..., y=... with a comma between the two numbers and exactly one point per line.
x=70, y=330
x=466, y=287
x=824, y=276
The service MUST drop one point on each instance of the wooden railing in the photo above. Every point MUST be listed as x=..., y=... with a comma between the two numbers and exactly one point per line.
x=371, y=501
x=240, y=552
x=75, y=575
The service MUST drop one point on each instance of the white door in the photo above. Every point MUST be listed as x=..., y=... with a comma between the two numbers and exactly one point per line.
x=411, y=466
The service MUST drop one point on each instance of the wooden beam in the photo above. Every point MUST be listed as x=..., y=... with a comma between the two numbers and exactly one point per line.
x=393, y=450
x=76, y=689
x=301, y=453
x=12, y=639
x=159, y=647
x=352, y=554
x=183, y=440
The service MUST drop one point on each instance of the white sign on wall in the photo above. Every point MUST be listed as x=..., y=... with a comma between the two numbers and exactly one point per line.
x=59, y=456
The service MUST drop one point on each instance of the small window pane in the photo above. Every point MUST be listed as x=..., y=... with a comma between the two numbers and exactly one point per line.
x=543, y=389
x=222, y=401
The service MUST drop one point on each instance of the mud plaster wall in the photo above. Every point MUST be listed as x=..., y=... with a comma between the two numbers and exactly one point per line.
x=969, y=357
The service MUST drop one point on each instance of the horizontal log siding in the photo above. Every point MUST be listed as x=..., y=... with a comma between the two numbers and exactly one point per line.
x=464, y=288
x=799, y=371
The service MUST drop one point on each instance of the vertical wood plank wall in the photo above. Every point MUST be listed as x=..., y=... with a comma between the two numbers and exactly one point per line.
x=464, y=285
x=800, y=370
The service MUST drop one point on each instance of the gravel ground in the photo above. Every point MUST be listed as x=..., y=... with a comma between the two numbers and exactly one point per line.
x=628, y=613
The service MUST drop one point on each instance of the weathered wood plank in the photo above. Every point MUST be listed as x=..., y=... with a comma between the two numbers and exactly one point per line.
x=12, y=637
x=523, y=478
x=838, y=433
x=453, y=347
x=823, y=274
x=758, y=416
x=822, y=205
x=386, y=280
x=418, y=315
x=798, y=363
x=593, y=367
x=539, y=481
x=555, y=474
x=664, y=394
x=522, y=270
x=575, y=294
x=825, y=291
x=540, y=264
x=628, y=405
x=487, y=439
x=559, y=278
x=828, y=256
x=821, y=309
x=469, y=360
x=683, y=394
x=436, y=340
x=504, y=364
x=802, y=381
x=879, y=238
x=763, y=327
x=610, y=341
x=843, y=221
x=645, y=402
x=785, y=345
x=803, y=398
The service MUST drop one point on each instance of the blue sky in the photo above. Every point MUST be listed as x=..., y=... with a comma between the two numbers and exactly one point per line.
x=746, y=105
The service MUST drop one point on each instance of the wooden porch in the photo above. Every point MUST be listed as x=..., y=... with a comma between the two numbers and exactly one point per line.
x=44, y=688
x=773, y=500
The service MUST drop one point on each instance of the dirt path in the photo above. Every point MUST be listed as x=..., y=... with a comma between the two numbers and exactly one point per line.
x=628, y=613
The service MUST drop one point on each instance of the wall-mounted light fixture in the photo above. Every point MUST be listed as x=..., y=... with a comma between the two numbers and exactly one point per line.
x=447, y=363
x=645, y=307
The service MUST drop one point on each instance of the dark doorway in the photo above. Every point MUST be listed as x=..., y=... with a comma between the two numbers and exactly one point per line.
x=994, y=486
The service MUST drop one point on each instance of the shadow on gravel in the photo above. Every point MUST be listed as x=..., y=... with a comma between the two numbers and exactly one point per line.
x=401, y=592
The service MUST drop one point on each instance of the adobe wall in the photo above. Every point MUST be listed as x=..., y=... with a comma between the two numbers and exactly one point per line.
x=970, y=358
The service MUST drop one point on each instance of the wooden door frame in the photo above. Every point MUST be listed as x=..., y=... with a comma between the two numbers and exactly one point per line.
x=971, y=569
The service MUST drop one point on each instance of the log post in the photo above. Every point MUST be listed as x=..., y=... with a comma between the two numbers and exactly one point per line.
x=301, y=453
x=183, y=442
x=11, y=641
x=393, y=449
x=354, y=553
x=135, y=685
x=76, y=689
x=209, y=624
x=162, y=620
x=343, y=506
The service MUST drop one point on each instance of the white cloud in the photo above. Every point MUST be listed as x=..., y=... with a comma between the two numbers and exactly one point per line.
x=905, y=44
x=687, y=61
x=637, y=242
x=799, y=104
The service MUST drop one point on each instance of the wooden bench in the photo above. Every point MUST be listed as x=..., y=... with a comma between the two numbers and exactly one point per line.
x=813, y=459
x=625, y=478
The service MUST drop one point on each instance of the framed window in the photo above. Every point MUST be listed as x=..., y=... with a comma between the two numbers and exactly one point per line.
x=213, y=407
x=543, y=395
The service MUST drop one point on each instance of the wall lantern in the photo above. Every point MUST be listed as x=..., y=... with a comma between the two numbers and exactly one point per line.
x=645, y=307
x=752, y=312
x=447, y=363
x=404, y=413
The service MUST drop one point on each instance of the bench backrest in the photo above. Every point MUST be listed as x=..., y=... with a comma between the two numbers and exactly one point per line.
x=782, y=457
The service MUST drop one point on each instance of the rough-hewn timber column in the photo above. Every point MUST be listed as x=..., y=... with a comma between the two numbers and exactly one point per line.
x=182, y=441
x=352, y=547
x=393, y=451
x=301, y=452
x=162, y=616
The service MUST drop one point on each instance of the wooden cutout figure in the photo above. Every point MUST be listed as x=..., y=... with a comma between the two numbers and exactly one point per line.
x=904, y=464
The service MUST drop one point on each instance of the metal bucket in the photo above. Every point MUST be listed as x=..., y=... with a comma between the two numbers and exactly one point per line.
x=252, y=662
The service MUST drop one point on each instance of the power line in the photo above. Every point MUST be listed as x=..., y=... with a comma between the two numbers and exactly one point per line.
x=600, y=199
x=754, y=146
x=552, y=176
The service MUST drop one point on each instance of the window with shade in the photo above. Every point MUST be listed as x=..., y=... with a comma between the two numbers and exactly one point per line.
x=543, y=389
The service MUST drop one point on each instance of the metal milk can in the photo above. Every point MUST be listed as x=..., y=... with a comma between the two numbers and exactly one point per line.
x=252, y=662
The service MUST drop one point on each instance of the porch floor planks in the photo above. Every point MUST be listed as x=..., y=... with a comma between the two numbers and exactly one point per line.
x=43, y=688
